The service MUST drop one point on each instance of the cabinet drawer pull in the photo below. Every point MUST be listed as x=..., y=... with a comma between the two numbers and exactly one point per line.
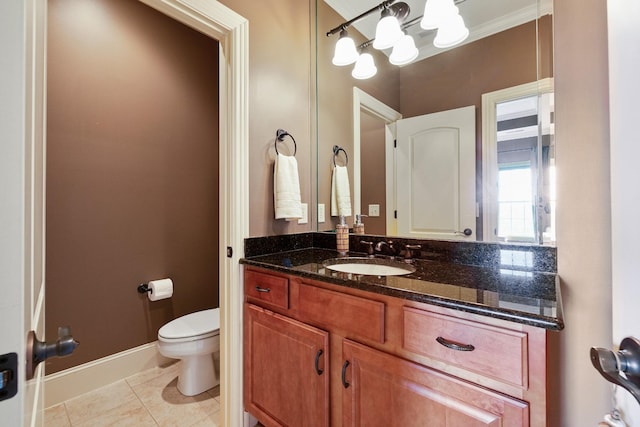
x=344, y=374
x=454, y=345
x=318, y=354
x=259, y=289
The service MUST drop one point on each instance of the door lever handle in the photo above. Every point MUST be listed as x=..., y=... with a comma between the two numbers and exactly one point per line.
x=612, y=365
x=39, y=351
x=466, y=232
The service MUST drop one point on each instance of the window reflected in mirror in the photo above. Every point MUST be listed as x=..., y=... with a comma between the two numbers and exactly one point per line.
x=524, y=148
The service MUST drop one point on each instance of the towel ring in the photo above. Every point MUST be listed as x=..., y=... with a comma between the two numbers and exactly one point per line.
x=280, y=135
x=336, y=151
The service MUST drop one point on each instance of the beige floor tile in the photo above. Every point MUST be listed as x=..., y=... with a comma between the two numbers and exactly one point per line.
x=56, y=416
x=99, y=401
x=153, y=373
x=169, y=407
x=131, y=414
x=212, y=420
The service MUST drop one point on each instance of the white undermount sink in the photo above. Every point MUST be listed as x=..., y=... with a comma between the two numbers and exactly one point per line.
x=369, y=266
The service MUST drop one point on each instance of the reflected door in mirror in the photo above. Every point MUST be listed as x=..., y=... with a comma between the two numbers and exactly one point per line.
x=435, y=175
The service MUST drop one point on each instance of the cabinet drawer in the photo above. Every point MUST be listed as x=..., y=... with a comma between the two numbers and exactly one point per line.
x=354, y=315
x=488, y=350
x=266, y=289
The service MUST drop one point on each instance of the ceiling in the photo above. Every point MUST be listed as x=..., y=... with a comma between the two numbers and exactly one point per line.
x=482, y=17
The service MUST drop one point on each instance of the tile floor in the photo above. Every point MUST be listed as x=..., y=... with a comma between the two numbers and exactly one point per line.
x=150, y=398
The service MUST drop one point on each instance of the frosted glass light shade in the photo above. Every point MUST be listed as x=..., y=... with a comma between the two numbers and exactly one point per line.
x=364, y=68
x=388, y=32
x=346, y=52
x=404, y=51
x=451, y=32
x=435, y=12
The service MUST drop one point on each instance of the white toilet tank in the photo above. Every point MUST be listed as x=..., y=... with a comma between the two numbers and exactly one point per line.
x=193, y=326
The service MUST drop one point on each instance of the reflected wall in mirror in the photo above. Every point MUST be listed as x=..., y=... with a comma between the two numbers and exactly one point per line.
x=449, y=80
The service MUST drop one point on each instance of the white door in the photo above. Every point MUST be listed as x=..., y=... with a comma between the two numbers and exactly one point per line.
x=436, y=175
x=624, y=90
x=22, y=33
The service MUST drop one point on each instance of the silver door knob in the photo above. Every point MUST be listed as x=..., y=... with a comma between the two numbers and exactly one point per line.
x=39, y=351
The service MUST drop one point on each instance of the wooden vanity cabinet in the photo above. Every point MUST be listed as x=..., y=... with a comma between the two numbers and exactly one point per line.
x=384, y=390
x=286, y=378
x=382, y=363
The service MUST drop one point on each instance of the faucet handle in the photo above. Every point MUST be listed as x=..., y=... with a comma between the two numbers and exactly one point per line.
x=408, y=251
x=369, y=246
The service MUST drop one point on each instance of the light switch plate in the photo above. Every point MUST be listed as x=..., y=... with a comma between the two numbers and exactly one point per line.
x=374, y=210
x=321, y=212
x=305, y=214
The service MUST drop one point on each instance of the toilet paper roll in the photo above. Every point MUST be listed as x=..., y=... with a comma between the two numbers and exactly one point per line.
x=160, y=289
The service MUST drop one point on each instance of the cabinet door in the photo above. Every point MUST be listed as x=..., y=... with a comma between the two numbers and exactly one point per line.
x=286, y=378
x=384, y=390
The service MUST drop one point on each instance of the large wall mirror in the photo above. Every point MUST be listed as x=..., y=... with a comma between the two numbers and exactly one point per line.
x=455, y=144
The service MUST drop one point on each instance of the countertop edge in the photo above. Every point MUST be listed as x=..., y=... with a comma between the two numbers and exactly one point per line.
x=539, y=321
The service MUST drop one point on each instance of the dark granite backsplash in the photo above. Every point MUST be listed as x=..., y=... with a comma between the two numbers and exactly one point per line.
x=489, y=255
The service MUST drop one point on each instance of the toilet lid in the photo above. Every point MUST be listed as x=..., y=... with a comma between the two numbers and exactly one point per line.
x=192, y=325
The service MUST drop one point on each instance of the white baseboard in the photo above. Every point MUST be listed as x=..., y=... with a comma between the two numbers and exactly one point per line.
x=73, y=382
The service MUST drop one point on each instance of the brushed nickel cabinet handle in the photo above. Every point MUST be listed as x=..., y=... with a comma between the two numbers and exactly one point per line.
x=259, y=289
x=454, y=345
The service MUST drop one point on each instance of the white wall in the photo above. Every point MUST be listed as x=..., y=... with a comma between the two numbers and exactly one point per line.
x=12, y=161
x=624, y=88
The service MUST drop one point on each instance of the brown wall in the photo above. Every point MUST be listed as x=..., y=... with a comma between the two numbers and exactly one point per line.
x=280, y=96
x=458, y=77
x=373, y=172
x=335, y=100
x=132, y=173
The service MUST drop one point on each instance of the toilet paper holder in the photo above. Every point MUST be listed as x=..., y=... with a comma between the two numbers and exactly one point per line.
x=143, y=288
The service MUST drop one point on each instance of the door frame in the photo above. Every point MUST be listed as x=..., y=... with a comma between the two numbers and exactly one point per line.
x=362, y=101
x=217, y=21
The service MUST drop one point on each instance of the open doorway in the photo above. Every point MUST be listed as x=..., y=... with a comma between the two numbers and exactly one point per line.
x=231, y=30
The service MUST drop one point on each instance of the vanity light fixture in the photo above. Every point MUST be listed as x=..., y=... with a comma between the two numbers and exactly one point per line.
x=442, y=15
x=345, y=52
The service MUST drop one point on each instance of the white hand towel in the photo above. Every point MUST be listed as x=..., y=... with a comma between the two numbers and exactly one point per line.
x=340, y=193
x=286, y=188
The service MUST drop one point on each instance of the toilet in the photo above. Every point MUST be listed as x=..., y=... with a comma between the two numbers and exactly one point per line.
x=193, y=338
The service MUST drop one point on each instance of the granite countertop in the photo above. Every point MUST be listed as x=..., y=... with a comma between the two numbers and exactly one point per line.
x=514, y=294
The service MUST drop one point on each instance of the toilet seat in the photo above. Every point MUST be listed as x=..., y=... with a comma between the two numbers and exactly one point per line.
x=190, y=327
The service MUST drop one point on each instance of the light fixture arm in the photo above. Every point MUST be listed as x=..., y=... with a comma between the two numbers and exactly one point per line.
x=385, y=4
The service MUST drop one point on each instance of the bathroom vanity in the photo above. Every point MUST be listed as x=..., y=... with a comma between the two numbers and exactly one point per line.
x=446, y=345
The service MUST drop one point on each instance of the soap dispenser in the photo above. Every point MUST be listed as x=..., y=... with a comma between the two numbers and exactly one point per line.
x=358, y=227
x=342, y=236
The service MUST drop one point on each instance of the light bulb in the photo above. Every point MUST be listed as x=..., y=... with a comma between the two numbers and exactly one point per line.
x=364, y=68
x=451, y=32
x=388, y=32
x=435, y=12
x=346, y=52
x=404, y=51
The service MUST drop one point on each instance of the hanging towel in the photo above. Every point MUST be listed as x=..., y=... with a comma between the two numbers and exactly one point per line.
x=340, y=193
x=286, y=188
